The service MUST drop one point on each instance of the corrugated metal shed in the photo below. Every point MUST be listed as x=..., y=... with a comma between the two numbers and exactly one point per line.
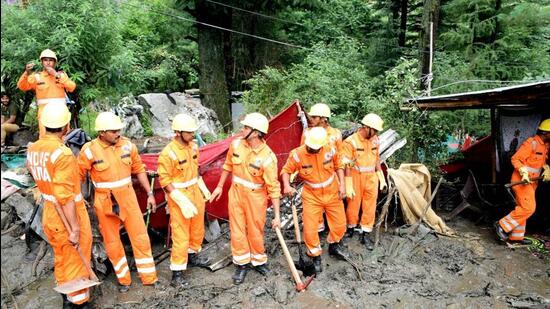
x=527, y=95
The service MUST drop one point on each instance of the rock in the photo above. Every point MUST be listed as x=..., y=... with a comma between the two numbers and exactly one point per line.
x=6, y=217
x=23, y=137
x=281, y=291
x=258, y=291
x=164, y=107
x=24, y=206
x=129, y=111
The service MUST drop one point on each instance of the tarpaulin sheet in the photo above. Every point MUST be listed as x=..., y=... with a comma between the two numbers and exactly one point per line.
x=285, y=131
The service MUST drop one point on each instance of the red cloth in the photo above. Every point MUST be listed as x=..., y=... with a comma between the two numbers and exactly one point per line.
x=285, y=131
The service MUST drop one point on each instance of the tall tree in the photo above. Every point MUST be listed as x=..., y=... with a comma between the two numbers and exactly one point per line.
x=212, y=65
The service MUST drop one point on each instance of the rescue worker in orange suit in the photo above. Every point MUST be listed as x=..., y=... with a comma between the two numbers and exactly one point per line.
x=254, y=178
x=529, y=162
x=54, y=169
x=319, y=115
x=318, y=164
x=50, y=86
x=178, y=169
x=111, y=160
x=363, y=176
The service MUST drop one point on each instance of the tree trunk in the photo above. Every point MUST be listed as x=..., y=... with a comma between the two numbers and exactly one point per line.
x=212, y=79
x=430, y=14
x=403, y=24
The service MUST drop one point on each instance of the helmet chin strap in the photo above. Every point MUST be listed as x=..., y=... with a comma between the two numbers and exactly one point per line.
x=249, y=133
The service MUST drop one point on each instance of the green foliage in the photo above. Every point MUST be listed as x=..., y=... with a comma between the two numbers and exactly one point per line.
x=108, y=48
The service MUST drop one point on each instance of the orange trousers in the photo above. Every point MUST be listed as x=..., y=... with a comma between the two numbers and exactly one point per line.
x=187, y=234
x=315, y=202
x=247, y=212
x=130, y=215
x=366, y=193
x=514, y=223
x=67, y=262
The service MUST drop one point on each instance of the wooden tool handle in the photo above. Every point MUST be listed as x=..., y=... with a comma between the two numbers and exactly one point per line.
x=289, y=259
x=295, y=220
x=68, y=228
x=508, y=185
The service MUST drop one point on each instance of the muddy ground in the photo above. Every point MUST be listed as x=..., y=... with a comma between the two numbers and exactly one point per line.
x=429, y=272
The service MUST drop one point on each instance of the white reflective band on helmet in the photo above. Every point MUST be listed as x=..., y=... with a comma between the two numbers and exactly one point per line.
x=52, y=198
x=113, y=184
x=323, y=184
x=183, y=185
x=247, y=183
x=365, y=169
x=51, y=100
x=533, y=170
x=177, y=267
x=78, y=297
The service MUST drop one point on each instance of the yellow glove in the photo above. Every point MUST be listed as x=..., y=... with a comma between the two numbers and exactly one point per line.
x=524, y=173
x=205, y=192
x=188, y=210
x=381, y=180
x=350, y=193
x=546, y=173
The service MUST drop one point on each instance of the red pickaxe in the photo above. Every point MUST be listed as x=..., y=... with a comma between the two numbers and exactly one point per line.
x=300, y=285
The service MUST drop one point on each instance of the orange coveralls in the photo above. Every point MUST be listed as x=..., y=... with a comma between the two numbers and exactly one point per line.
x=254, y=179
x=110, y=169
x=48, y=90
x=54, y=169
x=334, y=140
x=365, y=156
x=178, y=165
x=320, y=193
x=532, y=154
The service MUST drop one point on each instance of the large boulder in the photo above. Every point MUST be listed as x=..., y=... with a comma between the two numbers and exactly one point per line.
x=129, y=111
x=164, y=107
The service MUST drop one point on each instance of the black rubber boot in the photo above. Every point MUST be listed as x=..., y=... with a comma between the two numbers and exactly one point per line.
x=336, y=250
x=263, y=269
x=240, y=273
x=317, y=264
x=123, y=288
x=500, y=233
x=525, y=242
x=178, y=280
x=193, y=259
x=349, y=232
x=66, y=303
x=365, y=240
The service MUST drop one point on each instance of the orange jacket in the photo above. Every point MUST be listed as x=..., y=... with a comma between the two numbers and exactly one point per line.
x=334, y=137
x=178, y=163
x=110, y=166
x=54, y=169
x=256, y=167
x=317, y=170
x=532, y=154
x=364, y=154
x=47, y=88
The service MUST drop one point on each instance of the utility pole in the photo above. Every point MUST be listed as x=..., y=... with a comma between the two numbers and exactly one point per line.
x=429, y=77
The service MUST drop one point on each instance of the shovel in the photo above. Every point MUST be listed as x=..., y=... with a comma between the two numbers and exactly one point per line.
x=305, y=264
x=300, y=285
x=515, y=183
x=77, y=284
